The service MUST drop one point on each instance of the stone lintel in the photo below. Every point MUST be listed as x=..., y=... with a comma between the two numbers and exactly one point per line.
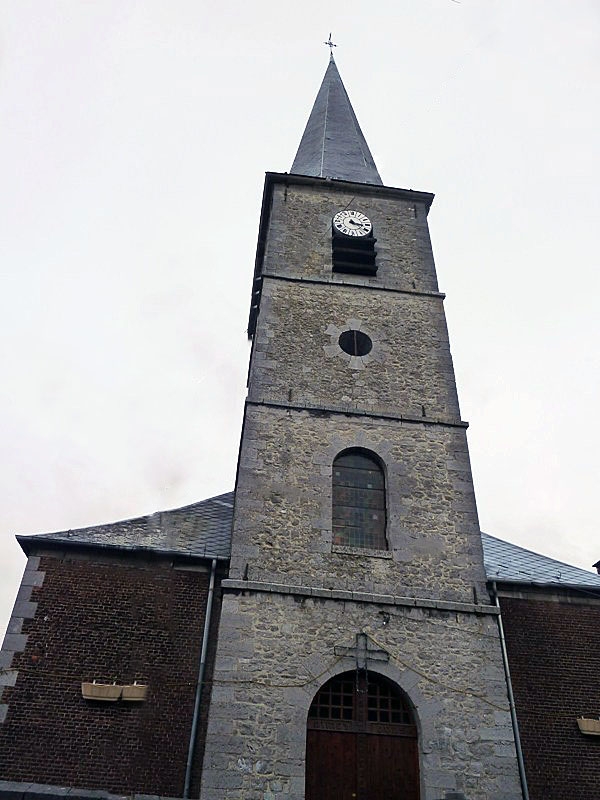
x=235, y=586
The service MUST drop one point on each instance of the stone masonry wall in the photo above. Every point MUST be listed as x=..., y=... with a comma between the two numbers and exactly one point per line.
x=110, y=621
x=278, y=651
x=299, y=237
x=554, y=654
x=282, y=525
x=293, y=596
x=296, y=356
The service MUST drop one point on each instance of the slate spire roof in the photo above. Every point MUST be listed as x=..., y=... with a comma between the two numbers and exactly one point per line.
x=332, y=145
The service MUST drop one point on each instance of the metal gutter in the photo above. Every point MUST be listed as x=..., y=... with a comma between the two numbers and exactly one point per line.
x=201, y=670
x=511, y=697
x=30, y=542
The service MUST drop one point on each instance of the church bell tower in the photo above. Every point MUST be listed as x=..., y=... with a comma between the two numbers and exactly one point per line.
x=358, y=652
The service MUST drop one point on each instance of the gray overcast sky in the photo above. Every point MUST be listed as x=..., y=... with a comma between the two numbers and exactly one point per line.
x=133, y=143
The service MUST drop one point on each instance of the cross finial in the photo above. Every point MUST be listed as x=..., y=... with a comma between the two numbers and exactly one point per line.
x=330, y=45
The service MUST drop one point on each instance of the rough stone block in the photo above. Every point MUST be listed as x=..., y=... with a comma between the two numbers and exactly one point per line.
x=13, y=790
x=25, y=609
x=32, y=578
x=15, y=625
x=8, y=677
x=15, y=642
x=44, y=791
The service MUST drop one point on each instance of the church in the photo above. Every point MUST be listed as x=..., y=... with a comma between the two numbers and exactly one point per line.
x=337, y=626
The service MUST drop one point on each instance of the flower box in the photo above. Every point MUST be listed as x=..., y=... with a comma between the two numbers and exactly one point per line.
x=105, y=692
x=134, y=692
x=591, y=727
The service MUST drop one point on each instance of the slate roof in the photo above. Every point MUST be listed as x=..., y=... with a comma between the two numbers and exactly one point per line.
x=200, y=530
x=509, y=563
x=203, y=530
x=333, y=145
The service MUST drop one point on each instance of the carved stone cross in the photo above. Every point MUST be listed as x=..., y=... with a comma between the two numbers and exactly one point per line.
x=362, y=651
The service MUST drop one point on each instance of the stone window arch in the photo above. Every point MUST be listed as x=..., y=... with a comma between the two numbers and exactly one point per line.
x=358, y=500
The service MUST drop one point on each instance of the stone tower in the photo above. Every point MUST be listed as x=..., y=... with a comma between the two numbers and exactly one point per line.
x=358, y=652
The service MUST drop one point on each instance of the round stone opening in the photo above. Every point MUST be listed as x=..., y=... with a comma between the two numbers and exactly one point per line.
x=355, y=343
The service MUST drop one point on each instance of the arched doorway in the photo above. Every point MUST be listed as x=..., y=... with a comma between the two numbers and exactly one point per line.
x=361, y=741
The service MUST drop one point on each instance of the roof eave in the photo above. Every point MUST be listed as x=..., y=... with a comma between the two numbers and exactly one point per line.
x=291, y=178
x=30, y=545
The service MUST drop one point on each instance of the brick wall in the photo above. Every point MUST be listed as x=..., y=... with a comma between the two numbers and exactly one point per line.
x=106, y=621
x=554, y=655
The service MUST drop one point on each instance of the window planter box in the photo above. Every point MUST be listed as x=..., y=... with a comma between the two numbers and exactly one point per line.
x=134, y=692
x=591, y=727
x=105, y=692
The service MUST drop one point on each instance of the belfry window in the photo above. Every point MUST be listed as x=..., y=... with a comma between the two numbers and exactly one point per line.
x=358, y=500
x=352, y=243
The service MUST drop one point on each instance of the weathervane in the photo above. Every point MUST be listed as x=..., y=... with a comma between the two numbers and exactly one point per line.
x=330, y=45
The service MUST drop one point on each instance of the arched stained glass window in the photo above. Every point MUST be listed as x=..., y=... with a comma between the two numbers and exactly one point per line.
x=358, y=500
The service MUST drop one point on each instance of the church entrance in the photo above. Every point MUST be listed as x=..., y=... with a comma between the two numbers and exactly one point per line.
x=361, y=741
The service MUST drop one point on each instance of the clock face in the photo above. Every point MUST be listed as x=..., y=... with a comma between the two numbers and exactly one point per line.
x=352, y=223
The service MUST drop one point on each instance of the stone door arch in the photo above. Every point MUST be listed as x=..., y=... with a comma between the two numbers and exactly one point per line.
x=361, y=741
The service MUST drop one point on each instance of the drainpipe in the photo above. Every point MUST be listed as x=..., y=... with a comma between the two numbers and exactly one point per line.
x=511, y=697
x=201, y=669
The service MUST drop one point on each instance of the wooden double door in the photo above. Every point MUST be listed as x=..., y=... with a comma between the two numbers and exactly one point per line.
x=361, y=742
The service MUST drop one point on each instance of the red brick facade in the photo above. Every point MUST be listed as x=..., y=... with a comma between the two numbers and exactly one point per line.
x=554, y=656
x=120, y=621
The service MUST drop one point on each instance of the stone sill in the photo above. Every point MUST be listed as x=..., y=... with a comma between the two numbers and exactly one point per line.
x=360, y=551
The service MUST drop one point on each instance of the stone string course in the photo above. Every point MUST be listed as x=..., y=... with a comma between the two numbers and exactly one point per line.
x=357, y=597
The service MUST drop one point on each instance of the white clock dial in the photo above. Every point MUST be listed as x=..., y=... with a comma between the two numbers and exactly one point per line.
x=352, y=223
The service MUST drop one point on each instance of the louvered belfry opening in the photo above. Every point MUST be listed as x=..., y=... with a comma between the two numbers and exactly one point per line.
x=358, y=497
x=353, y=255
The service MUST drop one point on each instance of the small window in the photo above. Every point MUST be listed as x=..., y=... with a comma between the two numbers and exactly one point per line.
x=355, y=343
x=359, y=516
x=353, y=244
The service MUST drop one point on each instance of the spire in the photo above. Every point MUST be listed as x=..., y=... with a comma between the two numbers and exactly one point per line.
x=333, y=145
